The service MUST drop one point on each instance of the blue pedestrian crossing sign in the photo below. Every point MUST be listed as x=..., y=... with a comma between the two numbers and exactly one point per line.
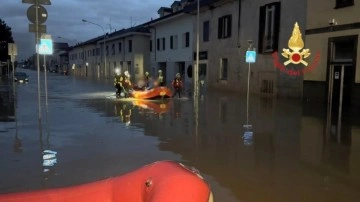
x=46, y=47
x=250, y=56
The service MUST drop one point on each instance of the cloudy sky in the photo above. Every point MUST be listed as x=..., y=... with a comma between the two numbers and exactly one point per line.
x=64, y=19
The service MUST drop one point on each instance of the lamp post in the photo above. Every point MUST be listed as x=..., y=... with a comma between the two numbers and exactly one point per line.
x=104, y=42
x=196, y=70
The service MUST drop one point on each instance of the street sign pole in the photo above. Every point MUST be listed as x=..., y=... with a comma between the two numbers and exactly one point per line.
x=37, y=56
x=250, y=58
x=46, y=91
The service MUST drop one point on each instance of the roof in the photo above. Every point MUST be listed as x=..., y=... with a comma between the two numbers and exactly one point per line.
x=193, y=7
x=176, y=3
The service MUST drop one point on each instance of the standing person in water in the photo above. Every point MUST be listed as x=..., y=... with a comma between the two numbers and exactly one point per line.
x=177, y=84
x=160, y=79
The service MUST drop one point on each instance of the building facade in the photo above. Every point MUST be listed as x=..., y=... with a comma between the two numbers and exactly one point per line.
x=126, y=49
x=171, y=44
x=335, y=35
x=228, y=27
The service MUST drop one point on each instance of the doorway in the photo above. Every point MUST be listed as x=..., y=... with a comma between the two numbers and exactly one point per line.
x=341, y=80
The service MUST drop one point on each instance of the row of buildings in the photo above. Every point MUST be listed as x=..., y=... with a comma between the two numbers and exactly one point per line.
x=329, y=29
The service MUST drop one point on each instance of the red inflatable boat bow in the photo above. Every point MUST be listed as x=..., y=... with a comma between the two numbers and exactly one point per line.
x=163, y=181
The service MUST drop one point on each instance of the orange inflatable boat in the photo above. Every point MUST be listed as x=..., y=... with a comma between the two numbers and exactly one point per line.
x=157, y=92
x=163, y=181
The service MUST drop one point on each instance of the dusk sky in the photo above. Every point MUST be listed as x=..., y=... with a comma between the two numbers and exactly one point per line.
x=64, y=19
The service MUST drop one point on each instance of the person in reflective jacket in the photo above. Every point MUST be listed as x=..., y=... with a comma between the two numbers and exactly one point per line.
x=177, y=84
x=118, y=79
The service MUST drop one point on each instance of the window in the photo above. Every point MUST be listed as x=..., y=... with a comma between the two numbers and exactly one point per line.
x=158, y=44
x=187, y=39
x=120, y=47
x=224, y=27
x=206, y=29
x=97, y=51
x=130, y=46
x=151, y=48
x=224, y=69
x=175, y=45
x=107, y=50
x=269, y=27
x=344, y=3
x=163, y=43
x=113, y=49
x=171, y=42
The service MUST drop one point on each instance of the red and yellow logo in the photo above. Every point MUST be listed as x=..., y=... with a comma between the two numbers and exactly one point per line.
x=295, y=54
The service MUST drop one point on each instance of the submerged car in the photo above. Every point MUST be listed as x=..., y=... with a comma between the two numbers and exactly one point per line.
x=21, y=77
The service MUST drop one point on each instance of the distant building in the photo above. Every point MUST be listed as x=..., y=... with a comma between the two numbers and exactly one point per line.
x=171, y=44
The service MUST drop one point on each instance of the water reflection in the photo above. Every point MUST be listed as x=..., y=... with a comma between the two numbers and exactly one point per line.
x=7, y=106
x=124, y=110
x=288, y=158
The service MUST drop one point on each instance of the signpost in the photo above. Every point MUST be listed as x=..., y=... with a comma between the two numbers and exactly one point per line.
x=249, y=58
x=37, y=14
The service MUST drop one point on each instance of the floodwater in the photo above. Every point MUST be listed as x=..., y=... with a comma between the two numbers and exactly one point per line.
x=292, y=154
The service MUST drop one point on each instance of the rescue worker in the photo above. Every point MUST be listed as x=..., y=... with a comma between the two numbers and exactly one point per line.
x=146, y=78
x=160, y=79
x=126, y=84
x=177, y=84
x=118, y=83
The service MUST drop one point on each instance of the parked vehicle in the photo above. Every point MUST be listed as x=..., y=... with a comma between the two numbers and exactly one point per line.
x=21, y=77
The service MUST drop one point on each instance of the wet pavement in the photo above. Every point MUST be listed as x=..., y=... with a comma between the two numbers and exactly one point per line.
x=293, y=154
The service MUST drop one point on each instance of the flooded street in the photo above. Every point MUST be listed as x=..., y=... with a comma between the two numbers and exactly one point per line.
x=293, y=154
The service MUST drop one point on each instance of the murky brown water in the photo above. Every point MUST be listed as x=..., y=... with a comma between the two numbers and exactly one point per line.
x=289, y=157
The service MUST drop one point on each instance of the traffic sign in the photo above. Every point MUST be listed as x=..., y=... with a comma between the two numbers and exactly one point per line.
x=12, y=49
x=41, y=28
x=41, y=2
x=250, y=56
x=46, y=47
x=42, y=14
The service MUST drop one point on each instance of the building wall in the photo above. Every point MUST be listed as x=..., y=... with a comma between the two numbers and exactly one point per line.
x=221, y=48
x=234, y=48
x=319, y=31
x=176, y=25
x=138, y=57
x=319, y=43
x=342, y=15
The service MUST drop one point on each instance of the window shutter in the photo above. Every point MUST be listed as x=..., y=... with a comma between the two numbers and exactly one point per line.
x=158, y=44
x=262, y=19
x=277, y=25
x=229, y=26
x=171, y=42
x=220, y=27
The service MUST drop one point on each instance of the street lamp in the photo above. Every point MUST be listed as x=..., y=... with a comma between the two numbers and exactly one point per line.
x=104, y=41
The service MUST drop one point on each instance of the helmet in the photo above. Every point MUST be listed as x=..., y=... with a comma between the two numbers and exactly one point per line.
x=178, y=75
x=160, y=71
x=146, y=73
